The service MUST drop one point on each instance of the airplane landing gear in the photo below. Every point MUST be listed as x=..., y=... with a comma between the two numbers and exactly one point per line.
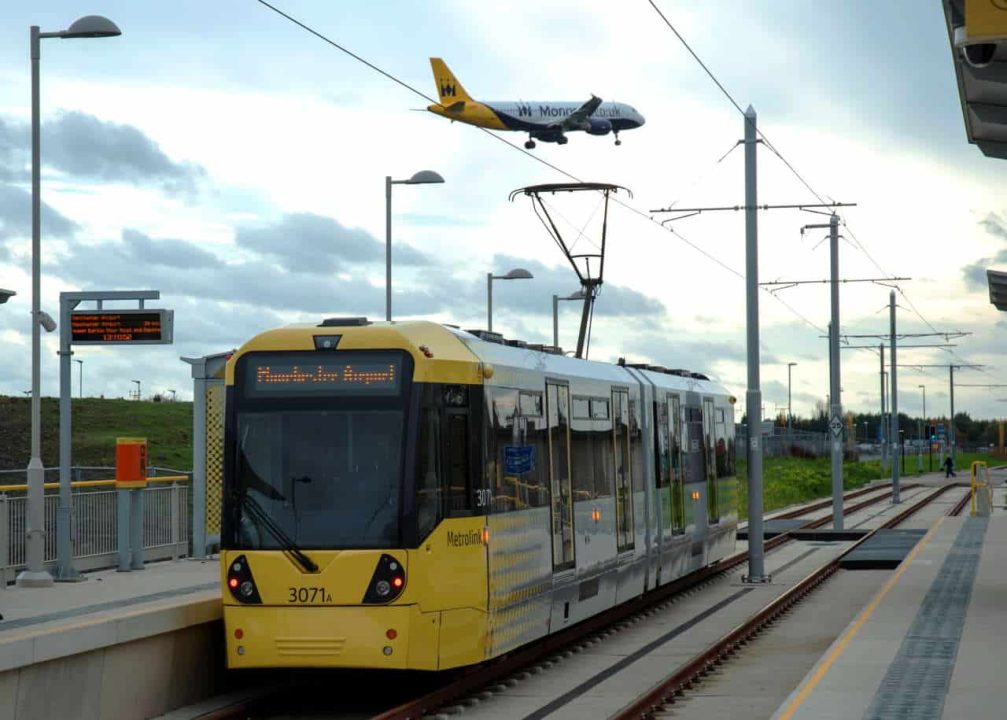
x=617, y=140
x=529, y=144
x=562, y=140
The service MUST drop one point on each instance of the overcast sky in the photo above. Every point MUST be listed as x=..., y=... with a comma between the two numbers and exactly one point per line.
x=236, y=163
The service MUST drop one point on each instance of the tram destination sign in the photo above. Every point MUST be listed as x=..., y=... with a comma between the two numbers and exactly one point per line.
x=122, y=327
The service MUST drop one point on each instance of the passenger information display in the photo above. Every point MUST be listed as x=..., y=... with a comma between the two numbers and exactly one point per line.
x=357, y=376
x=130, y=327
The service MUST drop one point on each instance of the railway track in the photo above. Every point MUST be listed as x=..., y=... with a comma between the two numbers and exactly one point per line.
x=467, y=686
x=720, y=651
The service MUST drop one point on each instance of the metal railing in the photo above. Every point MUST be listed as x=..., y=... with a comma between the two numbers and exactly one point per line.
x=94, y=524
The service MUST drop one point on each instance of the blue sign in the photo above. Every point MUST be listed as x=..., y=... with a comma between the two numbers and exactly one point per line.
x=519, y=460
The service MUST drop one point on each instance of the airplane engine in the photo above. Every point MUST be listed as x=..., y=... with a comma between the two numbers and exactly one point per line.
x=598, y=126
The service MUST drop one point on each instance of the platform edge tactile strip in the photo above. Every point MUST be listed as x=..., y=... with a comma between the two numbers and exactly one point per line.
x=916, y=682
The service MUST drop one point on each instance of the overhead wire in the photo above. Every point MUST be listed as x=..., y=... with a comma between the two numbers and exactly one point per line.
x=791, y=167
x=545, y=162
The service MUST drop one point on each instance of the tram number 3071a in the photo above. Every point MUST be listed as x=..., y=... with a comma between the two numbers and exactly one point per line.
x=308, y=595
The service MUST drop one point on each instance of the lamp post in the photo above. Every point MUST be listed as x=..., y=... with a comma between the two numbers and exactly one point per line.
x=80, y=377
x=790, y=414
x=423, y=177
x=515, y=274
x=579, y=295
x=137, y=388
x=90, y=26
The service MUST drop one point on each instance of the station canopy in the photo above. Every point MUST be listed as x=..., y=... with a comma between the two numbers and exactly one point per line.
x=982, y=71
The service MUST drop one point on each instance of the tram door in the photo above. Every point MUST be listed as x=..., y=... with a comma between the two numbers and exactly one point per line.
x=710, y=448
x=558, y=409
x=624, y=528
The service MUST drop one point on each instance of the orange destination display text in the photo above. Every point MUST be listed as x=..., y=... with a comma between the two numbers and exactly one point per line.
x=115, y=327
x=296, y=376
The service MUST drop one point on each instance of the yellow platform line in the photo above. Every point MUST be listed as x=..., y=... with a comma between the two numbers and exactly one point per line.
x=852, y=630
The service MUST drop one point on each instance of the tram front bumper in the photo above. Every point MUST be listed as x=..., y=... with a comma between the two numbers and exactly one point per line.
x=389, y=637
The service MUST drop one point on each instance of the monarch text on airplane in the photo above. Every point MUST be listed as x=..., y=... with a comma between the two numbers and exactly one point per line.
x=545, y=121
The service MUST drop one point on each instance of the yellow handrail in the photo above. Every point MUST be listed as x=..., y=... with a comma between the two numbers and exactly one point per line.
x=93, y=483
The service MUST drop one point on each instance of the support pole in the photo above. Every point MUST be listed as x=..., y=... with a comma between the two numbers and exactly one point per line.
x=388, y=248
x=555, y=320
x=895, y=401
x=489, y=301
x=836, y=409
x=136, y=529
x=881, y=424
x=951, y=425
x=65, y=571
x=122, y=528
x=35, y=575
x=753, y=397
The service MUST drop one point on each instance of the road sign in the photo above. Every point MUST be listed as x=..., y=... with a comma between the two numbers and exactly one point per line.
x=836, y=426
x=122, y=327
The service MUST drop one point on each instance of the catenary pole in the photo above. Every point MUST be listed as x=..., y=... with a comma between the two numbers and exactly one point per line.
x=836, y=409
x=895, y=401
x=753, y=397
x=881, y=425
x=951, y=425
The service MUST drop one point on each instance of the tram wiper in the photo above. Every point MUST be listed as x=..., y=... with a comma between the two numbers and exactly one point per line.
x=289, y=547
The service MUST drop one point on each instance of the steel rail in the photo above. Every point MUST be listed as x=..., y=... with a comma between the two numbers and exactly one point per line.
x=499, y=668
x=703, y=663
x=481, y=676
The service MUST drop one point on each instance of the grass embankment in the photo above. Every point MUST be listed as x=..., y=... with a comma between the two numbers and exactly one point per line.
x=96, y=424
x=793, y=480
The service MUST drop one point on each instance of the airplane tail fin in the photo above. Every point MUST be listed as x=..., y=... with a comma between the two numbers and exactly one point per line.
x=449, y=90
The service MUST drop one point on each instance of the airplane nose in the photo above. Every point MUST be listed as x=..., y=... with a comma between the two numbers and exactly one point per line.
x=640, y=120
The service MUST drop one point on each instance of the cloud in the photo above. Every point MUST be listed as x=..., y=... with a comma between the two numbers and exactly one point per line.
x=13, y=152
x=994, y=225
x=305, y=242
x=15, y=216
x=86, y=147
x=974, y=274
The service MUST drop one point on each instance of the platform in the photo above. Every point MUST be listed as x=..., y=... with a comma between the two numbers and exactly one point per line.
x=140, y=639
x=933, y=642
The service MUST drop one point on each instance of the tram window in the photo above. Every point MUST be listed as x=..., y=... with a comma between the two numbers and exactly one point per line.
x=677, y=473
x=581, y=408
x=582, y=457
x=599, y=409
x=531, y=404
x=661, y=445
x=636, y=446
x=428, y=494
x=456, y=456
x=725, y=446
x=623, y=472
x=517, y=451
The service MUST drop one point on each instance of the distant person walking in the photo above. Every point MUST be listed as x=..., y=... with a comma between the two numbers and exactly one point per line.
x=949, y=465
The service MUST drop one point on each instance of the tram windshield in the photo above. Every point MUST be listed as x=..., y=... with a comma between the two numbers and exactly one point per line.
x=326, y=478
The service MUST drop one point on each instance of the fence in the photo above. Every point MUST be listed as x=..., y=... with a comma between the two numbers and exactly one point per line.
x=94, y=525
x=782, y=444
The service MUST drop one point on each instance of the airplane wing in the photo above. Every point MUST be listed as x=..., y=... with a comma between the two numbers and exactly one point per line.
x=578, y=118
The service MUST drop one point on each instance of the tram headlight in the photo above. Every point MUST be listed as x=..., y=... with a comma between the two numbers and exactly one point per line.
x=241, y=583
x=387, y=582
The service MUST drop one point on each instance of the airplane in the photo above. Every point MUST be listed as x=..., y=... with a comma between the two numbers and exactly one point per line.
x=545, y=121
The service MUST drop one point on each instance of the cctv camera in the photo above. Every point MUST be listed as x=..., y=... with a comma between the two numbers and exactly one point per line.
x=46, y=321
x=976, y=54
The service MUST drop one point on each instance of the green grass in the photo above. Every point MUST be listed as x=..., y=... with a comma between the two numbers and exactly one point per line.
x=96, y=424
x=793, y=480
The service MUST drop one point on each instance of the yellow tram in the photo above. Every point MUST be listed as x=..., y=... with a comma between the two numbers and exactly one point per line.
x=411, y=495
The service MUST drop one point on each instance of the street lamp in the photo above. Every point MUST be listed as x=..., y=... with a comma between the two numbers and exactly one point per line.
x=6, y=295
x=579, y=295
x=423, y=177
x=90, y=26
x=80, y=377
x=515, y=274
x=137, y=388
x=790, y=413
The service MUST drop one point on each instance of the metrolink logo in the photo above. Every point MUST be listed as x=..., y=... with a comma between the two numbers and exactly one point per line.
x=464, y=539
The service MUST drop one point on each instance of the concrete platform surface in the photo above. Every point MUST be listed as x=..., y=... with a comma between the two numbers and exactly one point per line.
x=932, y=642
x=108, y=608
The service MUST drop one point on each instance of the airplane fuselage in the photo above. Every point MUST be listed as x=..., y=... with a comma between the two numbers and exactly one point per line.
x=533, y=115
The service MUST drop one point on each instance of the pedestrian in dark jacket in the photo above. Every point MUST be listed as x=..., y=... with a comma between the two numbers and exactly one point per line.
x=949, y=467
